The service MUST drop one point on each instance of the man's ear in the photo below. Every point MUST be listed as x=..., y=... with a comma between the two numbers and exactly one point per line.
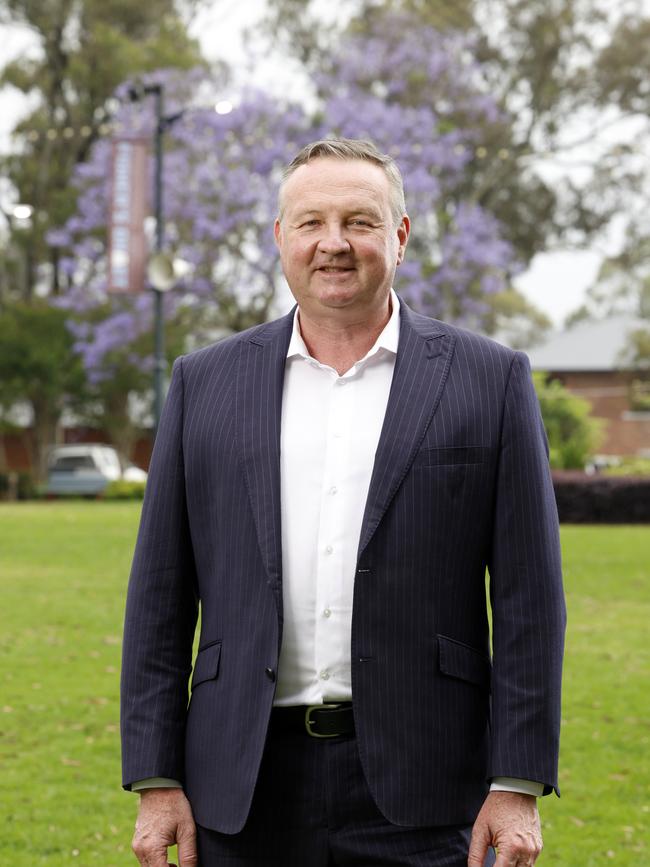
x=403, y=232
x=277, y=232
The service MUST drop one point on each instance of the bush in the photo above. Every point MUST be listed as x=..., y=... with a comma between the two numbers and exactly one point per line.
x=26, y=488
x=123, y=490
x=629, y=467
x=573, y=434
x=601, y=499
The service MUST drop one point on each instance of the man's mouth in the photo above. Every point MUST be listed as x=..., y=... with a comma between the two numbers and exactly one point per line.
x=330, y=269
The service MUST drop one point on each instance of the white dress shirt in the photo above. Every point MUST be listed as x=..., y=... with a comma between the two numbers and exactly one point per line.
x=329, y=435
x=330, y=429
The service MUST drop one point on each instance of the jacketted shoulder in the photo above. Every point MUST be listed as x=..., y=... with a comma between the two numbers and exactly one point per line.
x=470, y=342
x=227, y=349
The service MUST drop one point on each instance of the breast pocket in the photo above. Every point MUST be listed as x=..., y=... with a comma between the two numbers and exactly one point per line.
x=448, y=456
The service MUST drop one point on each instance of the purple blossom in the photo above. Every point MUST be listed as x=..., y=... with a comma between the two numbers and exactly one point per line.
x=417, y=93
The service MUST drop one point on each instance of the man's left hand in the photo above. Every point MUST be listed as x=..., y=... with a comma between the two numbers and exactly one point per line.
x=509, y=822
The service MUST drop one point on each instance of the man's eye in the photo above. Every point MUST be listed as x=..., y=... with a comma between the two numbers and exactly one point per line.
x=359, y=223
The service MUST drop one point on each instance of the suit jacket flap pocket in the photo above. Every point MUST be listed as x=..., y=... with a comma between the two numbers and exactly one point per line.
x=206, y=666
x=460, y=660
x=452, y=455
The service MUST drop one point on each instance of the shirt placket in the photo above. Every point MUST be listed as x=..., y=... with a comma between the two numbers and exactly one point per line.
x=329, y=626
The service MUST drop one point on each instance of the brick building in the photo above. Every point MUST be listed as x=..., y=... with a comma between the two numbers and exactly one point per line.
x=589, y=359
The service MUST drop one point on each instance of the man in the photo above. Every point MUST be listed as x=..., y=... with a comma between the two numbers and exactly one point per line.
x=331, y=487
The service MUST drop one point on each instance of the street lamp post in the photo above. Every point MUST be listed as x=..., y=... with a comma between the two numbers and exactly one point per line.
x=163, y=271
x=159, y=344
x=137, y=93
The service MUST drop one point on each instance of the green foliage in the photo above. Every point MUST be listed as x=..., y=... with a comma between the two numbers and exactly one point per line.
x=123, y=490
x=573, y=434
x=629, y=467
x=640, y=393
x=26, y=488
x=38, y=365
x=63, y=576
x=515, y=319
x=86, y=50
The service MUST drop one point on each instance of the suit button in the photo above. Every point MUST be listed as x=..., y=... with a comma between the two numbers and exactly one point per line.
x=270, y=673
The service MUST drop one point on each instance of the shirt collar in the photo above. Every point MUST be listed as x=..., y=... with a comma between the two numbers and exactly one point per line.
x=387, y=340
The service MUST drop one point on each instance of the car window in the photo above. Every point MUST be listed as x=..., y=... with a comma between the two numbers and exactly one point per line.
x=74, y=462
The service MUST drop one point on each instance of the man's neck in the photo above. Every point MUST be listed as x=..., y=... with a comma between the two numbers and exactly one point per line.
x=340, y=344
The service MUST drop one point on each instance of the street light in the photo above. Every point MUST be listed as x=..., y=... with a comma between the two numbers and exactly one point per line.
x=22, y=213
x=163, y=271
x=19, y=219
x=137, y=93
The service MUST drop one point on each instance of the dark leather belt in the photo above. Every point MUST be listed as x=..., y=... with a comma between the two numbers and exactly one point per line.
x=316, y=720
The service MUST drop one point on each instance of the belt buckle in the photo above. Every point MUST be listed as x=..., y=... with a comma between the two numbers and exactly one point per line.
x=309, y=722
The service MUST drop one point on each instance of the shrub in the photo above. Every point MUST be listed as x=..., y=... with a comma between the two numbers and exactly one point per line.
x=573, y=434
x=123, y=490
x=601, y=499
x=26, y=488
x=629, y=467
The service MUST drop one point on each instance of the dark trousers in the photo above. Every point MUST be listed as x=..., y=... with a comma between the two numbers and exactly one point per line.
x=312, y=808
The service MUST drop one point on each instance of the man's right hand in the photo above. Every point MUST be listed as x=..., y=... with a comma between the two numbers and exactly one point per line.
x=164, y=818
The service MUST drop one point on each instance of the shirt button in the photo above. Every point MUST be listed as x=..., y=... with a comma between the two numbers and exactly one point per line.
x=270, y=673
x=327, y=613
x=324, y=675
x=329, y=549
x=334, y=490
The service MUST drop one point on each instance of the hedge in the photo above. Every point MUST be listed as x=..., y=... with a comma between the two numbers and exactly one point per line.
x=597, y=499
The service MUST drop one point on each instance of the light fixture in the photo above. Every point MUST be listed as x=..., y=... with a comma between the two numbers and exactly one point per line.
x=22, y=212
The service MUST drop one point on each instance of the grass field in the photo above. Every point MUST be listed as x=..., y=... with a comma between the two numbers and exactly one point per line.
x=63, y=573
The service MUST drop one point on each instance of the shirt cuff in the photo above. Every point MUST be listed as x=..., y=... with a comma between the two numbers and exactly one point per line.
x=513, y=784
x=155, y=783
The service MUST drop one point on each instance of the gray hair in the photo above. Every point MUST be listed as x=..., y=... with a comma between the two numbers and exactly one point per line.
x=350, y=149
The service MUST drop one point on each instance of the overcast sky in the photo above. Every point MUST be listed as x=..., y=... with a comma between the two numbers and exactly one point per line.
x=555, y=282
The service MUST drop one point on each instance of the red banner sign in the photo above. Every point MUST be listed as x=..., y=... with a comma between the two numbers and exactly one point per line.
x=127, y=244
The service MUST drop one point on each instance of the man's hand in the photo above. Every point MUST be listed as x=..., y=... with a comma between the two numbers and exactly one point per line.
x=508, y=821
x=164, y=818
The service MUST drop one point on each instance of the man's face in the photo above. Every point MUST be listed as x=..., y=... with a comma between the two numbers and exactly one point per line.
x=338, y=240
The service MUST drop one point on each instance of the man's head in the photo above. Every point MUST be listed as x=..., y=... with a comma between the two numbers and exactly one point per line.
x=349, y=149
x=342, y=229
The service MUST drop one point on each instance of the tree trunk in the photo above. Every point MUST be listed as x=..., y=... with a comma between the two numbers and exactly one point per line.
x=45, y=434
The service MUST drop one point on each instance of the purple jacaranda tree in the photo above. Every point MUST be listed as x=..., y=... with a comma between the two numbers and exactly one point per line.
x=416, y=93
x=420, y=95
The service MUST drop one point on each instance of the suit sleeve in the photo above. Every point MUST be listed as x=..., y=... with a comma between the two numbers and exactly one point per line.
x=161, y=612
x=528, y=610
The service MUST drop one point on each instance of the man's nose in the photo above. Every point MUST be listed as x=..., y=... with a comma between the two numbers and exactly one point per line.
x=333, y=240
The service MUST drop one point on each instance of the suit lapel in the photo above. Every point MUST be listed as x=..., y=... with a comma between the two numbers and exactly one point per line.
x=424, y=354
x=258, y=410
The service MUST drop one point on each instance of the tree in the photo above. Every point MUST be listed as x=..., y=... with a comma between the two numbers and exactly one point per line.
x=570, y=80
x=573, y=434
x=39, y=366
x=221, y=178
x=86, y=49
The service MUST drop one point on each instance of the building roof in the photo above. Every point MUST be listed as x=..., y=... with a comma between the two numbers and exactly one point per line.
x=591, y=345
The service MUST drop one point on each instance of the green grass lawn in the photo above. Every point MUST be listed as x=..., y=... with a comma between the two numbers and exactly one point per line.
x=63, y=573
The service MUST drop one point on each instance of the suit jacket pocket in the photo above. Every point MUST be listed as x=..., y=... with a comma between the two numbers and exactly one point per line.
x=457, y=659
x=206, y=666
x=451, y=455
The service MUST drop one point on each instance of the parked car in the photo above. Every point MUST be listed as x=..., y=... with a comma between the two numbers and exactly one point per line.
x=87, y=469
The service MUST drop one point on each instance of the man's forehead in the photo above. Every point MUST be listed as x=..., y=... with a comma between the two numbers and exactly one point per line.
x=327, y=177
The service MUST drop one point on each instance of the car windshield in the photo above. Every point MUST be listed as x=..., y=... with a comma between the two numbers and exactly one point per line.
x=74, y=462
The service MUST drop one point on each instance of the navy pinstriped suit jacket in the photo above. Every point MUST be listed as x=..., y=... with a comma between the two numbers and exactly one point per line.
x=460, y=483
